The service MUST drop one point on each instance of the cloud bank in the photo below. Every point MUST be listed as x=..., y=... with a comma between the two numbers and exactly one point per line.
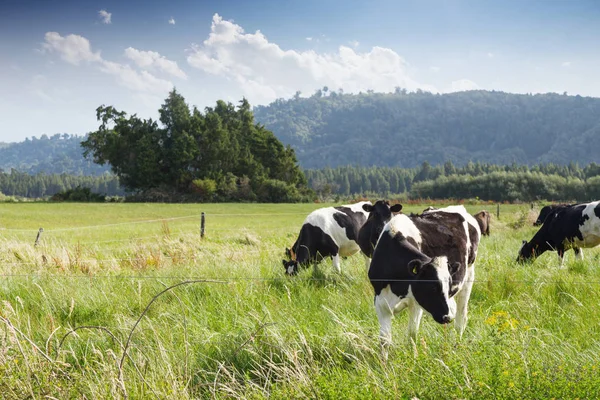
x=265, y=71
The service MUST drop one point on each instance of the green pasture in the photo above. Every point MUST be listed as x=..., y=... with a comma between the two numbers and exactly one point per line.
x=251, y=332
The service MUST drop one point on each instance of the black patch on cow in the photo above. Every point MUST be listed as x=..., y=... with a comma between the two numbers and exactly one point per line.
x=350, y=220
x=597, y=210
x=311, y=246
x=561, y=225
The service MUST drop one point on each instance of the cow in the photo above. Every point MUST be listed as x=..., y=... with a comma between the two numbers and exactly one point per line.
x=327, y=232
x=425, y=262
x=379, y=214
x=545, y=211
x=483, y=219
x=566, y=227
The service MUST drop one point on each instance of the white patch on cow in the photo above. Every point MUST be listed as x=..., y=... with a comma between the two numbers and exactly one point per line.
x=323, y=218
x=441, y=266
x=590, y=230
x=290, y=270
x=402, y=223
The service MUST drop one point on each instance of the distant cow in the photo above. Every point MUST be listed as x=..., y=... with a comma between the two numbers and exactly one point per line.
x=571, y=226
x=327, y=232
x=423, y=262
x=379, y=214
x=483, y=219
x=545, y=211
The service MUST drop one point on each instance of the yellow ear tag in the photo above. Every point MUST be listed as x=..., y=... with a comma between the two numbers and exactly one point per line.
x=415, y=270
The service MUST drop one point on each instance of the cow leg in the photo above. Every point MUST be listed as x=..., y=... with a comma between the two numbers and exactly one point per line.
x=385, y=306
x=578, y=253
x=336, y=263
x=462, y=301
x=414, y=320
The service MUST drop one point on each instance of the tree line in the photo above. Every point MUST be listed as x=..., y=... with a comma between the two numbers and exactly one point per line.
x=473, y=180
x=41, y=185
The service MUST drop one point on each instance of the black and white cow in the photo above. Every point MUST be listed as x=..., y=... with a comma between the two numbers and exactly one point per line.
x=571, y=226
x=327, y=232
x=379, y=214
x=425, y=262
x=545, y=211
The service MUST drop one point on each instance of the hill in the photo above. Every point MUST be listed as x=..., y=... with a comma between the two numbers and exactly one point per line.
x=56, y=154
x=405, y=129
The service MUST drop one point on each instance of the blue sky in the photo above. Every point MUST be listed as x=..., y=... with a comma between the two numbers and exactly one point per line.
x=59, y=60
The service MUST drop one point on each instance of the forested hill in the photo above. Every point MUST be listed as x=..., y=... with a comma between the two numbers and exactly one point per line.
x=405, y=129
x=56, y=154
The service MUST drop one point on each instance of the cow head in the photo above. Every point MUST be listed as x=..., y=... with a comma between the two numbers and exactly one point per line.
x=431, y=286
x=291, y=267
x=528, y=252
x=381, y=209
x=543, y=214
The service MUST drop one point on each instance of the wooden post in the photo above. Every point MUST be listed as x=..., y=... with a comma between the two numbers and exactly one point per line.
x=498, y=211
x=39, y=235
x=202, y=224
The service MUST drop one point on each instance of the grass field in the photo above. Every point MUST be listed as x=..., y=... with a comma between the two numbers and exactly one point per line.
x=533, y=330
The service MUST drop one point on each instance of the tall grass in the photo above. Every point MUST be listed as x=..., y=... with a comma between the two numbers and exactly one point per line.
x=533, y=329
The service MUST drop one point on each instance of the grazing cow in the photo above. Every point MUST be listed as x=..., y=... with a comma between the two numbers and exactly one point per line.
x=483, y=219
x=571, y=226
x=379, y=214
x=327, y=232
x=425, y=262
x=545, y=211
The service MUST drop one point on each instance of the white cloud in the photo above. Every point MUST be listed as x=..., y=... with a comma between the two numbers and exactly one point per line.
x=137, y=81
x=153, y=60
x=105, y=16
x=74, y=49
x=354, y=43
x=462, y=85
x=309, y=39
x=172, y=21
x=265, y=72
x=566, y=64
x=71, y=48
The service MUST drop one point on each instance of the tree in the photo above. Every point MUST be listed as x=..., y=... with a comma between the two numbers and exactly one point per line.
x=196, y=154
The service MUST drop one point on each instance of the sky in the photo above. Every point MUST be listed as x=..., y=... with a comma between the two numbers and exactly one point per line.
x=60, y=60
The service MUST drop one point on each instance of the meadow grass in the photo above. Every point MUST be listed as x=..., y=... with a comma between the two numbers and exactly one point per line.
x=533, y=330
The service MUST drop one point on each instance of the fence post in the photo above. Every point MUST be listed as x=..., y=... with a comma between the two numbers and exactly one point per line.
x=39, y=235
x=498, y=210
x=202, y=224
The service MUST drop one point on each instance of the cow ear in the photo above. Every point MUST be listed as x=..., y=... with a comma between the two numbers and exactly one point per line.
x=453, y=267
x=524, y=242
x=396, y=208
x=414, y=267
x=367, y=207
x=284, y=263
